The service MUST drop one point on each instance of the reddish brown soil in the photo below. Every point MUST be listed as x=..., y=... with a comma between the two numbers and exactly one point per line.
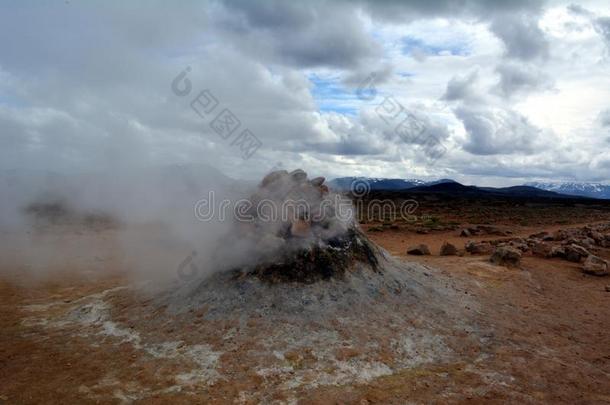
x=551, y=340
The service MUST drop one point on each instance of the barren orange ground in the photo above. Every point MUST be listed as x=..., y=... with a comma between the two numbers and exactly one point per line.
x=551, y=340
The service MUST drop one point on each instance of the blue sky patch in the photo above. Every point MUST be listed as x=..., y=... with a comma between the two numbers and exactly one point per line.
x=411, y=44
x=330, y=95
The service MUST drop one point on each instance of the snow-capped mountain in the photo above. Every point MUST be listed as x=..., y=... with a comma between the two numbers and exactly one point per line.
x=594, y=190
x=372, y=183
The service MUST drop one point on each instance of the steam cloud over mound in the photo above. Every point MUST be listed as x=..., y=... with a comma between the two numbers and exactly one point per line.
x=295, y=229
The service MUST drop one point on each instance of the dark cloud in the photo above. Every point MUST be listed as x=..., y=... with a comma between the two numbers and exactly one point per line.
x=324, y=33
x=521, y=35
x=303, y=34
x=462, y=87
x=399, y=11
x=521, y=78
x=90, y=85
x=493, y=131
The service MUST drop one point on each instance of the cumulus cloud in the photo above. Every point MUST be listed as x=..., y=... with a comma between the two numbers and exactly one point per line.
x=520, y=78
x=89, y=88
x=299, y=33
x=462, y=87
x=493, y=131
x=522, y=36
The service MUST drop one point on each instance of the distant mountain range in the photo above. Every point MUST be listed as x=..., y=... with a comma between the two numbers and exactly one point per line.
x=594, y=190
x=348, y=183
x=549, y=190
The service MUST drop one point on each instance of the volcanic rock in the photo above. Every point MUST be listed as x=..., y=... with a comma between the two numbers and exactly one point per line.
x=522, y=246
x=506, y=256
x=558, y=251
x=575, y=253
x=542, y=249
x=465, y=233
x=587, y=243
x=597, y=237
x=448, y=249
x=491, y=230
x=418, y=250
x=478, y=247
x=543, y=236
x=318, y=181
x=596, y=266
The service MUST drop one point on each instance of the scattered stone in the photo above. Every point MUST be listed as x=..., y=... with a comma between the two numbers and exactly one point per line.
x=595, y=266
x=478, y=247
x=588, y=243
x=491, y=230
x=506, y=256
x=324, y=189
x=597, y=237
x=558, y=251
x=575, y=253
x=318, y=181
x=418, y=250
x=540, y=235
x=542, y=249
x=608, y=288
x=520, y=245
x=448, y=249
x=465, y=233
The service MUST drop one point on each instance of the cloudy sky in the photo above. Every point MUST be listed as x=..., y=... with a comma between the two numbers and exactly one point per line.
x=486, y=92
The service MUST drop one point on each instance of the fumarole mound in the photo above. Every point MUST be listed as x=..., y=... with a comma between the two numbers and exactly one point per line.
x=314, y=304
x=300, y=231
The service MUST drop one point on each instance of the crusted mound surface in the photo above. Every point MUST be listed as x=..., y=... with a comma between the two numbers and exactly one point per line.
x=235, y=332
x=321, y=261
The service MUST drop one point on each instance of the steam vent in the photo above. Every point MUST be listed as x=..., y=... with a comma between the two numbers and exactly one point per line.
x=314, y=305
x=301, y=231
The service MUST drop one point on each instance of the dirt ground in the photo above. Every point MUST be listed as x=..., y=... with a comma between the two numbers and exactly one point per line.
x=550, y=339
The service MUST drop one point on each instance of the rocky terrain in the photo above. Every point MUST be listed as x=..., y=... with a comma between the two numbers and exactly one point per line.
x=571, y=244
x=457, y=305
